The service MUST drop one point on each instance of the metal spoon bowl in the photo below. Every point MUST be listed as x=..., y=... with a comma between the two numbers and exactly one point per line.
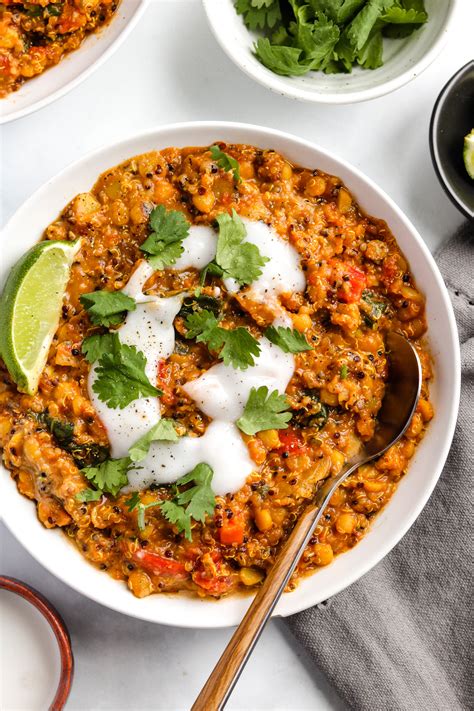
x=398, y=405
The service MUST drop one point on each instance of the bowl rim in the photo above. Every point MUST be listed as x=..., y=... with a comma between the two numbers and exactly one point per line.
x=434, y=147
x=181, y=133
x=82, y=76
x=60, y=631
x=272, y=81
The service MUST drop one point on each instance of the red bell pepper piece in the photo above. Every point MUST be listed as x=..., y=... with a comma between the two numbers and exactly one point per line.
x=352, y=288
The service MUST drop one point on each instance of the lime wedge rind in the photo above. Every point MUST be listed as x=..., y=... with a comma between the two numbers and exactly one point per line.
x=468, y=153
x=30, y=308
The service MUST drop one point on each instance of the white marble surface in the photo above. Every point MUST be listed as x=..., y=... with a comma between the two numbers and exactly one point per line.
x=171, y=69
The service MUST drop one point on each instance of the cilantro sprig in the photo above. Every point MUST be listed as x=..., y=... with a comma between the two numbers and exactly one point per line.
x=121, y=376
x=107, y=308
x=235, y=258
x=327, y=35
x=264, y=411
x=226, y=162
x=164, y=244
x=107, y=478
x=193, y=503
x=164, y=429
x=236, y=347
x=111, y=475
x=289, y=340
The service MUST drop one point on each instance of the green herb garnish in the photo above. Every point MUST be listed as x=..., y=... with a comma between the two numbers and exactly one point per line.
x=193, y=503
x=288, y=339
x=327, y=35
x=164, y=244
x=235, y=258
x=164, y=429
x=226, y=162
x=344, y=372
x=93, y=347
x=107, y=308
x=264, y=411
x=107, y=478
x=121, y=376
x=236, y=347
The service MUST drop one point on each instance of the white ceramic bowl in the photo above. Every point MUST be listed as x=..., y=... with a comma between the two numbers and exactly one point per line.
x=403, y=59
x=58, y=555
x=74, y=67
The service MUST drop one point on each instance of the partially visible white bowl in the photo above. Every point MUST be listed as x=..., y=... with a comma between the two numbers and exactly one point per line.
x=74, y=67
x=404, y=59
x=52, y=549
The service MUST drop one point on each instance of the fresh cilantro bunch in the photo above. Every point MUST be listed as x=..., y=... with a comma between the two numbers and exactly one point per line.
x=121, y=376
x=164, y=244
x=327, y=35
x=236, y=347
x=235, y=258
x=107, y=308
x=194, y=503
x=264, y=411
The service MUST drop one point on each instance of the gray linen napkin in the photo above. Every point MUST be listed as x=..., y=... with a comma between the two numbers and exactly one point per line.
x=400, y=638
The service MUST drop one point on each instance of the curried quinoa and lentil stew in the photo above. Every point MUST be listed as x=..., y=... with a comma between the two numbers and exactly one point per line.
x=36, y=35
x=267, y=375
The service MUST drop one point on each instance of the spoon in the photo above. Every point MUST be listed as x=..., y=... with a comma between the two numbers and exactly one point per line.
x=399, y=402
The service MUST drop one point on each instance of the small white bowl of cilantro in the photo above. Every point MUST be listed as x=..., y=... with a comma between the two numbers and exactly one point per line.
x=331, y=51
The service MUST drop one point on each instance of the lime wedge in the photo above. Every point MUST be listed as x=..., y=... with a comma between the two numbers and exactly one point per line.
x=30, y=307
x=468, y=153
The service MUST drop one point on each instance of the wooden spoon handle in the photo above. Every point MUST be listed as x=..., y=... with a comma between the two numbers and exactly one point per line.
x=219, y=686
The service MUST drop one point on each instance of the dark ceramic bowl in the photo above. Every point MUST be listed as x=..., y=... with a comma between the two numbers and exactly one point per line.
x=452, y=119
x=56, y=623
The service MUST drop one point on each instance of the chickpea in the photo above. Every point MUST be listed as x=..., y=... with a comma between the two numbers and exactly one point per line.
x=163, y=191
x=344, y=200
x=119, y=213
x=270, y=438
x=375, y=485
x=425, y=408
x=205, y=202
x=323, y=553
x=140, y=584
x=345, y=523
x=286, y=172
x=376, y=250
x=302, y=321
x=263, y=519
x=315, y=187
x=257, y=450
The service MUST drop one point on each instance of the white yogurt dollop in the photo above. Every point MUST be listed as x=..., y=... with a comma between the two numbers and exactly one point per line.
x=221, y=392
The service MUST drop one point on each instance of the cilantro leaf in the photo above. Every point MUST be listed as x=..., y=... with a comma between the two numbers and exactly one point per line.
x=238, y=260
x=96, y=345
x=400, y=15
x=239, y=349
x=339, y=11
x=264, y=411
x=163, y=430
x=176, y=514
x=259, y=13
x=193, y=503
x=121, y=376
x=344, y=372
x=109, y=476
x=286, y=61
x=317, y=38
x=360, y=28
x=289, y=340
x=226, y=162
x=236, y=347
x=107, y=308
x=89, y=495
x=134, y=503
x=370, y=56
x=164, y=243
